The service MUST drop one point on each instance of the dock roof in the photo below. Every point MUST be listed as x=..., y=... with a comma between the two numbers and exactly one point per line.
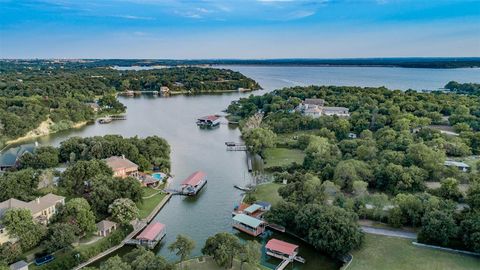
x=209, y=118
x=281, y=246
x=194, y=179
x=252, y=208
x=248, y=220
x=151, y=231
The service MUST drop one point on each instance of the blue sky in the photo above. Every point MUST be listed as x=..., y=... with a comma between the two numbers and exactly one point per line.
x=180, y=29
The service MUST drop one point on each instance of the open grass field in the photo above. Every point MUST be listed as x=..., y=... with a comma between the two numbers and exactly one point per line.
x=282, y=156
x=146, y=207
x=268, y=193
x=383, y=252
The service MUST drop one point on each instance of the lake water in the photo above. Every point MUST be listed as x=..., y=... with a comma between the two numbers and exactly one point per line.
x=173, y=118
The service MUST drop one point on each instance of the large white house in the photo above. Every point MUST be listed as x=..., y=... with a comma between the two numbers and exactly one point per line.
x=314, y=107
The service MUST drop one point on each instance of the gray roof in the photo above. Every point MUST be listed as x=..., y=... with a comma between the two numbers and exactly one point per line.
x=117, y=163
x=314, y=101
x=105, y=225
x=34, y=206
x=10, y=157
x=456, y=164
x=18, y=265
x=248, y=220
x=335, y=109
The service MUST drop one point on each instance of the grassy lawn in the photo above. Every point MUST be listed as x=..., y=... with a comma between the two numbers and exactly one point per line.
x=147, y=191
x=282, y=156
x=149, y=204
x=268, y=193
x=209, y=264
x=383, y=252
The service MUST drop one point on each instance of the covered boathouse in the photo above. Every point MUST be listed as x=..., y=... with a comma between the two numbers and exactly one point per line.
x=208, y=121
x=284, y=251
x=192, y=185
x=151, y=235
x=248, y=224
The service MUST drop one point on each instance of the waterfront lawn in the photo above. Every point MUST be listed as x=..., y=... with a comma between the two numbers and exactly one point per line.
x=268, y=193
x=383, y=252
x=148, y=191
x=207, y=263
x=275, y=157
x=147, y=206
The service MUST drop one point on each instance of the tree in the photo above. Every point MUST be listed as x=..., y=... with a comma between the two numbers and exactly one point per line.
x=115, y=263
x=19, y=223
x=10, y=253
x=470, y=231
x=43, y=157
x=77, y=211
x=78, y=176
x=251, y=254
x=359, y=188
x=438, y=228
x=329, y=228
x=123, y=210
x=305, y=188
x=449, y=189
x=473, y=196
x=59, y=236
x=142, y=259
x=425, y=157
x=257, y=139
x=223, y=247
x=182, y=246
x=20, y=185
x=349, y=171
x=411, y=208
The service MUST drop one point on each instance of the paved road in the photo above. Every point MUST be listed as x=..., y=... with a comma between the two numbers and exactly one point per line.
x=394, y=233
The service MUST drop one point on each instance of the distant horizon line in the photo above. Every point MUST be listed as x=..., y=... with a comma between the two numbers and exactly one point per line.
x=258, y=59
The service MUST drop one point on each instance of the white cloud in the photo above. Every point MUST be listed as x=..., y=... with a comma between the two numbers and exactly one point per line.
x=132, y=17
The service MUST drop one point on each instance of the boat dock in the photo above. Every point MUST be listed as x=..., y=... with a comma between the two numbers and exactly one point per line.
x=282, y=250
x=109, y=118
x=233, y=146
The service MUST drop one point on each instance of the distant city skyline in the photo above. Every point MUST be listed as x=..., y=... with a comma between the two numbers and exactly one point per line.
x=243, y=29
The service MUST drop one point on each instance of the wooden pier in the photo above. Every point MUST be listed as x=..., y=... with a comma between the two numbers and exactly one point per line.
x=233, y=146
x=109, y=118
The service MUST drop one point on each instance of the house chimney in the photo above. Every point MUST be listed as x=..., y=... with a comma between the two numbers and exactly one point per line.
x=37, y=200
x=123, y=156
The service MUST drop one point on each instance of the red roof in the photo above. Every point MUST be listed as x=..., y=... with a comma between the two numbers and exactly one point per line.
x=209, y=118
x=280, y=246
x=194, y=179
x=151, y=231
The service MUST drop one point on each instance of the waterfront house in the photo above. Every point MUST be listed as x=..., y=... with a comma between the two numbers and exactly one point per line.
x=208, y=121
x=164, y=91
x=316, y=107
x=152, y=235
x=460, y=165
x=105, y=227
x=20, y=265
x=193, y=183
x=10, y=158
x=94, y=106
x=338, y=111
x=248, y=224
x=42, y=210
x=122, y=167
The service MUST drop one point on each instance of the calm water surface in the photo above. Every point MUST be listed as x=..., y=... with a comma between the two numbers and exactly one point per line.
x=194, y=149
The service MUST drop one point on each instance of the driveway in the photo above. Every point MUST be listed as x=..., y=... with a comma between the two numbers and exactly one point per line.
x=386, y=232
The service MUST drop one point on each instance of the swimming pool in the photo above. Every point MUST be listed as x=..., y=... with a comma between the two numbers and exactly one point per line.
x=158, y=176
